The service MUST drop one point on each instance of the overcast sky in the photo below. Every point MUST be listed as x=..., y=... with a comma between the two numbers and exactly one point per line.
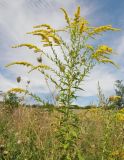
x=17, y=18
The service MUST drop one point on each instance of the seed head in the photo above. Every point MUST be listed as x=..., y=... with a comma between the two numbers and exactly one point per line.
x=39, y=59
x=28, y=82
x=18, y=79
x=5, y=153
x=2, y=147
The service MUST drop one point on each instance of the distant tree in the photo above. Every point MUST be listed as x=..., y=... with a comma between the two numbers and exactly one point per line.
x=11, y=100
x=119, y=90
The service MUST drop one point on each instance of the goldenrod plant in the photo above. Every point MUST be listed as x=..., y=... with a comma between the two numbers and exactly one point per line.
x=79, y=58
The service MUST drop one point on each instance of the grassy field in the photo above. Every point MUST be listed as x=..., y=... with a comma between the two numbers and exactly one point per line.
x=28, y=134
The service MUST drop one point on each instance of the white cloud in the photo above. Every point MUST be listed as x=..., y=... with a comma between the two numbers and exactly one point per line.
x=6, y=83
x=105, y=78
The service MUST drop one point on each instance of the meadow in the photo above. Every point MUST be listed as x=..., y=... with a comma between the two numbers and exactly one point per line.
x=60, y=132
x=28, y=134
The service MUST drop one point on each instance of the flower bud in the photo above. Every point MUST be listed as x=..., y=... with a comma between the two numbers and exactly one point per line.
x=28, y=82
x=39, y=59
x=18, y=79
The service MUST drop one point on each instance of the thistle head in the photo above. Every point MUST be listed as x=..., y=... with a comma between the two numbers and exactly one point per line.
x=18, y=79
x=39, y=59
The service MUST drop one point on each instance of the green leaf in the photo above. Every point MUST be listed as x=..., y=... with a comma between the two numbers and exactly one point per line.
x=79, y=88
x=80, y=156
x=66, y=146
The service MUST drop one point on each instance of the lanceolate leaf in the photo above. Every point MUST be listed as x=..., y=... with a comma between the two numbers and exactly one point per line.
x=79, y=88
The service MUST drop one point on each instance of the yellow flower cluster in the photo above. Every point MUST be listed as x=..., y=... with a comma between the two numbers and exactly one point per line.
x=66, y=16
x=103, y=49
x=27, y=64
x=43, y=25
x=55, y=38
x=30, y=46
x=83, y=26
x=120, y=116
x=100, y=54
x=17, y=90
x=100, y=29
x=117, y=154
x=77, y=22
x=114, y=98
x=89, y=47
x=44, y=36
x=48, y=35
x=77, y=15
x=40, y=31
x=122, y=110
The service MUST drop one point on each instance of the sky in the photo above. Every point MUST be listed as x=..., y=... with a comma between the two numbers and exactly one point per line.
x=17, y=18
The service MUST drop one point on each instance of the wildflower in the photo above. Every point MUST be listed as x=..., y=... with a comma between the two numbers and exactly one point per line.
x=27, y=64
x=114, y=98
x=55, y=38
x=66, y=15
x=83, y=28
x=100, y=29
x=40, y=31
x=30, y=46
x=115, y=153
x=108, y=61
x=122, y=110
x=18, y=90
x=90, y=47
x=77, y=15
x=120, y=116
x=101, y=54
x=43, y=25
x=103, y=49
x=43, y=35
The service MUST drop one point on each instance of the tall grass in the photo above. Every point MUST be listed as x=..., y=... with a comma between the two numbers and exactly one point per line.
x=28, y=133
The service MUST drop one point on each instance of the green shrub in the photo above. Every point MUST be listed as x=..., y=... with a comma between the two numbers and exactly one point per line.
x=11, y=101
